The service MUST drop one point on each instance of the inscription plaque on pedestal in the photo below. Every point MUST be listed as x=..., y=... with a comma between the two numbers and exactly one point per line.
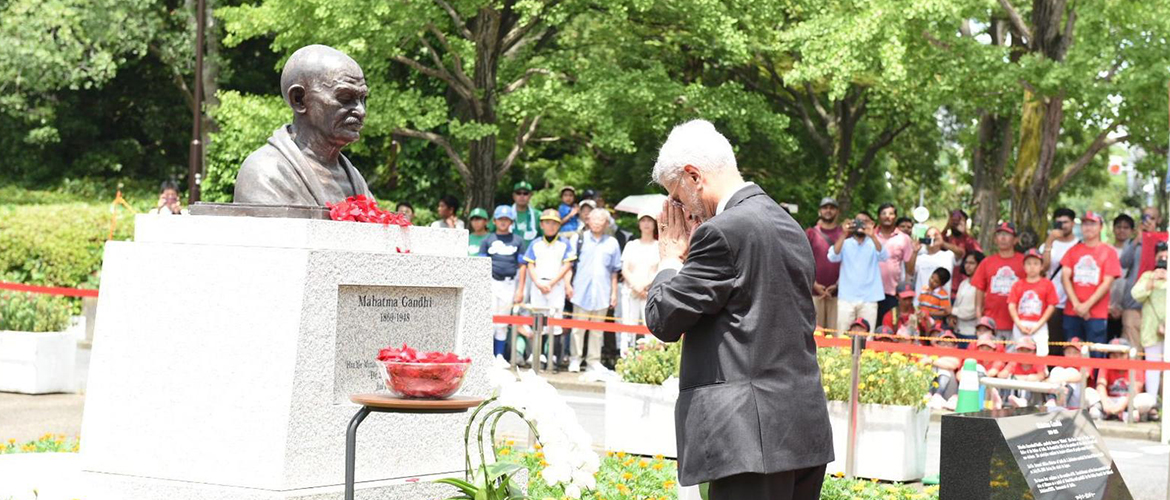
x=1027, y=453
x=370, y=318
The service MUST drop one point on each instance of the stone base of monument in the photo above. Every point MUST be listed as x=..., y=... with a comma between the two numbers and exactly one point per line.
x=226, y=349
x=1026, y=453
x=112, y=486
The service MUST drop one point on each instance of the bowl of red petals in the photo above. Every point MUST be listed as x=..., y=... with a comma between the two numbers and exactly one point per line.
x=422, y=375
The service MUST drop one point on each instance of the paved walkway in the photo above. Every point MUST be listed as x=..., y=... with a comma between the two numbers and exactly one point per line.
x=27, y=418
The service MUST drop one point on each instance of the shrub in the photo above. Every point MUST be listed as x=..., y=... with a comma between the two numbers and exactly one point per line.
x=837, y=488
x=651, y=363
x=58, y=244
x=621, y=476
x=26, y=312
x=886, y=378
x=48, y=443
x=141, y=194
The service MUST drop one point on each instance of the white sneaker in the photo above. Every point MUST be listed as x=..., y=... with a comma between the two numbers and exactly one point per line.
x=598, y=367
x=1095, y=413
x=574, y=365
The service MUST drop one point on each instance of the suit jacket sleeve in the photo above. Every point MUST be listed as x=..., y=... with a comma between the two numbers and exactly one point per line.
x=678, y=299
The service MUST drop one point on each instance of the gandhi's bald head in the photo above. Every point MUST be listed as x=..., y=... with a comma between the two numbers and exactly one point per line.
x=317, y=64
x=326, y=90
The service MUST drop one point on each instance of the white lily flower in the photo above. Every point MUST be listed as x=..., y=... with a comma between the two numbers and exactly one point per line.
x=573, y=491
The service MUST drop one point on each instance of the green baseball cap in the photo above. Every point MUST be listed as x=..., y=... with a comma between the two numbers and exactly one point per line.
x=479, y=212
x=522, y=186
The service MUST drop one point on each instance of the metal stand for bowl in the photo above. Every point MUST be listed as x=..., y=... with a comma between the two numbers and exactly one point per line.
x=385, y=403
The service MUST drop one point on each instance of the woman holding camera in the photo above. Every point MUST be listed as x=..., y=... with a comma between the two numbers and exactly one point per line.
x=1150, y=291
x=931, y=252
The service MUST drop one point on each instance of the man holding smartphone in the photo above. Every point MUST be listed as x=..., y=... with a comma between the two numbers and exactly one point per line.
x=168, y=200
x=1131, y=263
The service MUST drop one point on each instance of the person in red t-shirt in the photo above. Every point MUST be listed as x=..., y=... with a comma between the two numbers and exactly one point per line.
x=1028, y=372
x=1090, y=268
x=1031, y=302
x=994, y=278
x=986, y=342
x=1113, y=391
x=906, y=320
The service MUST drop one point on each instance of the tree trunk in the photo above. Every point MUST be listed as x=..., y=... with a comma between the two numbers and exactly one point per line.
x=1031, y=185
x=1040, y=124
x=210, y=79
x=481, y=187
x=992, y=153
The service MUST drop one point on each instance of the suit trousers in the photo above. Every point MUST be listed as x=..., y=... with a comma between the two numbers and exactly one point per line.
x=800, y=484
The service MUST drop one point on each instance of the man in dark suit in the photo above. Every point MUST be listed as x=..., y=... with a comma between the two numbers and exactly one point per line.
x=736, y=277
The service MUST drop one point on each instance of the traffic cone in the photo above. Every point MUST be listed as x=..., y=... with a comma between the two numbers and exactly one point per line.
x=968, y=388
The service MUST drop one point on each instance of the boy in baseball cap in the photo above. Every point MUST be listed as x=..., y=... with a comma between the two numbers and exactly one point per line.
x=568, y=210
x=550, y=265
x=478, y=220
x=859, y=326
x=906, y=317
x=945, y=384
x=1113, y=391
x=1029, y=372
x=1031, y=302
x=505, y=249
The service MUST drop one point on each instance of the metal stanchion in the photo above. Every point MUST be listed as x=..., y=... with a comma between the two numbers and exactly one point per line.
x=1129, y=411
x=512, y=343
x=1084, y=377
x=851, y=446
x=538, y=322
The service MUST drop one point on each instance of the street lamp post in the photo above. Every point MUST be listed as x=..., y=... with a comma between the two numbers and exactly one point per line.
x=195, y=168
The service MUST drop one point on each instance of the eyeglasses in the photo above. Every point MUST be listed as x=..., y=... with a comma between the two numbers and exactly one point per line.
x=523, y=193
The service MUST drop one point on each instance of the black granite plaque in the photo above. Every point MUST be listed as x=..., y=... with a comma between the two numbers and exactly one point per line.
x=1026, y=453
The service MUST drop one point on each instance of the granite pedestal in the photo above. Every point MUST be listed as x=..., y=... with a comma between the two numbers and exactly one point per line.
x=1012, y=454
x=226, y=349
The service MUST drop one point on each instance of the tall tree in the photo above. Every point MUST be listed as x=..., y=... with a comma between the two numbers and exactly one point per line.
x=855, y=76
x=1081, y=65
x=491, y=60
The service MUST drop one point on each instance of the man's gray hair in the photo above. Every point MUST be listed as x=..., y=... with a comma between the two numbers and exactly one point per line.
x=694, y=143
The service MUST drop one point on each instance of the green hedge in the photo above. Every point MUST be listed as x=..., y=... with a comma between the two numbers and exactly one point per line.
x=651, y=363
x=58, y=244
x=26, y=312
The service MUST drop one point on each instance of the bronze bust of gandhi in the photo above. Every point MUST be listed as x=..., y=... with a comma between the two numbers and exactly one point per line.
x=302, y=162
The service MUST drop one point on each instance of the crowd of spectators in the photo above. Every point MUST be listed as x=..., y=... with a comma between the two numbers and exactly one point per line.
x=887, y=278
x=894, y=280
x=569, y=259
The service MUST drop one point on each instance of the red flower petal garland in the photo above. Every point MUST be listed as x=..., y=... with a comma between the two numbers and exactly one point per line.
x=428, y=375
x=362, y=209
x=410, y=355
